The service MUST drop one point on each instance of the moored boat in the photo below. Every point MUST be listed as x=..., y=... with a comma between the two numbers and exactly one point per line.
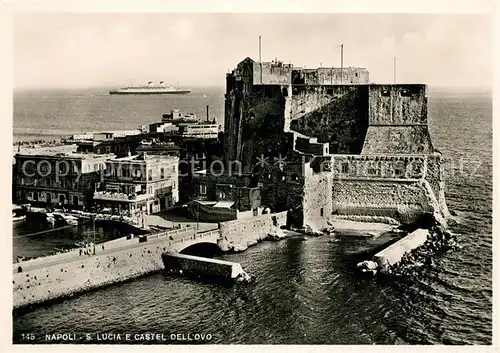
x=16, y=218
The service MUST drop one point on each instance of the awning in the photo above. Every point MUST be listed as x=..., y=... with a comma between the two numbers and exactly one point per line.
x=224, y=204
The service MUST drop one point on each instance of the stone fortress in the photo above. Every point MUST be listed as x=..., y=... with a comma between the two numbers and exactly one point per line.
x=334, y=144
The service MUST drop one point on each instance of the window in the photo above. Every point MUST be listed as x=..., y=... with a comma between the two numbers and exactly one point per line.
x=329, y=91
x=345, y=167
x=372, y=171
x=222, y=195
x=150, y=175
x=405, y=93
x=162, y=172
x=385, y=93
x=321, y=212
x=203, y=189
x=282, y=176
x=267, y=175
x=150, y=190
x=173, y=168
x=295, y=177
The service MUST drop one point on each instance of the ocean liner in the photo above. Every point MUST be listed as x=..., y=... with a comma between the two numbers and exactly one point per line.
x=151, y=88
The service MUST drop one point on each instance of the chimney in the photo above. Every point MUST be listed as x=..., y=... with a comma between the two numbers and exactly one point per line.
x=207, y=112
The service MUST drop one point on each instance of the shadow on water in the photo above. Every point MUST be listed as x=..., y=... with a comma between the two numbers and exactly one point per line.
x=355, y=249
x=201, y=279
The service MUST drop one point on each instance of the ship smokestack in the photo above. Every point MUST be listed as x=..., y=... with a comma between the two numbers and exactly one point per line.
x=208, y=107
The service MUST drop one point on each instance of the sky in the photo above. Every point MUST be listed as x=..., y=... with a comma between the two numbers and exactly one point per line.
x=57, y=50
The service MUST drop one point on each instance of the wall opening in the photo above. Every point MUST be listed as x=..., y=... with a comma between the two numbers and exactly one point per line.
x=321, y=212
x=202, y=249
x=405, y=93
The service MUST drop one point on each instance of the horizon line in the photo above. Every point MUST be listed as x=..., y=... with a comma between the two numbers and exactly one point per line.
x=52, y=88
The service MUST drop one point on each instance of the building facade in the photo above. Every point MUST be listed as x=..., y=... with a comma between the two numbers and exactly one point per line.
x=51, y=178
x=139, y=184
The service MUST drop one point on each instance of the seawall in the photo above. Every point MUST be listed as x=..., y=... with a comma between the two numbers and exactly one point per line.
x=66, y=274
x=240, y=234
x=62, y=275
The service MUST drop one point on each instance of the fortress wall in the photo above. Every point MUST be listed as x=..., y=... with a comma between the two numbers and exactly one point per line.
x=271, y=74
x=377, y=167
x=337, y=115
x=82, y=273
x=436, y=178
x=331, y=76
x=393, y=186
x=398, y=104
x=397, y=139
x=257, y=122
x=317, y=198
x=403, y=201
x=397, y=120
x=281, y=187
x=239, y=234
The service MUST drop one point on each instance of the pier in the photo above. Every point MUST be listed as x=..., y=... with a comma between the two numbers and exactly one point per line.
x=181, y=263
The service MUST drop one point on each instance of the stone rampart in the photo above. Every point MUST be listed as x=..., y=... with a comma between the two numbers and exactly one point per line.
x=239, y=234
x=317, y=198
x=54, y=277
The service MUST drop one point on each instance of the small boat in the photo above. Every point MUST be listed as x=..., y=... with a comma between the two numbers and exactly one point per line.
x=50, y=219
x=18, y=218
x=71, y=220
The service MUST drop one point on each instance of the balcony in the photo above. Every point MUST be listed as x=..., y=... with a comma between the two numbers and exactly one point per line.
x=118, y=196
x=125, y=179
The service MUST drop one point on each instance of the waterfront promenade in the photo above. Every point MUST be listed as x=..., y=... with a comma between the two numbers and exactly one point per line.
x=174, y=237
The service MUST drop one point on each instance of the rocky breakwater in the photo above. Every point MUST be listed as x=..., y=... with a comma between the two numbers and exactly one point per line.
x=427, y=238
x=240, y=234
x=439, y=240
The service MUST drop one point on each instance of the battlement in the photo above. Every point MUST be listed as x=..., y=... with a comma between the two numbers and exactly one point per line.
x=401, y=104
x=278, y=73
x=330, y=76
